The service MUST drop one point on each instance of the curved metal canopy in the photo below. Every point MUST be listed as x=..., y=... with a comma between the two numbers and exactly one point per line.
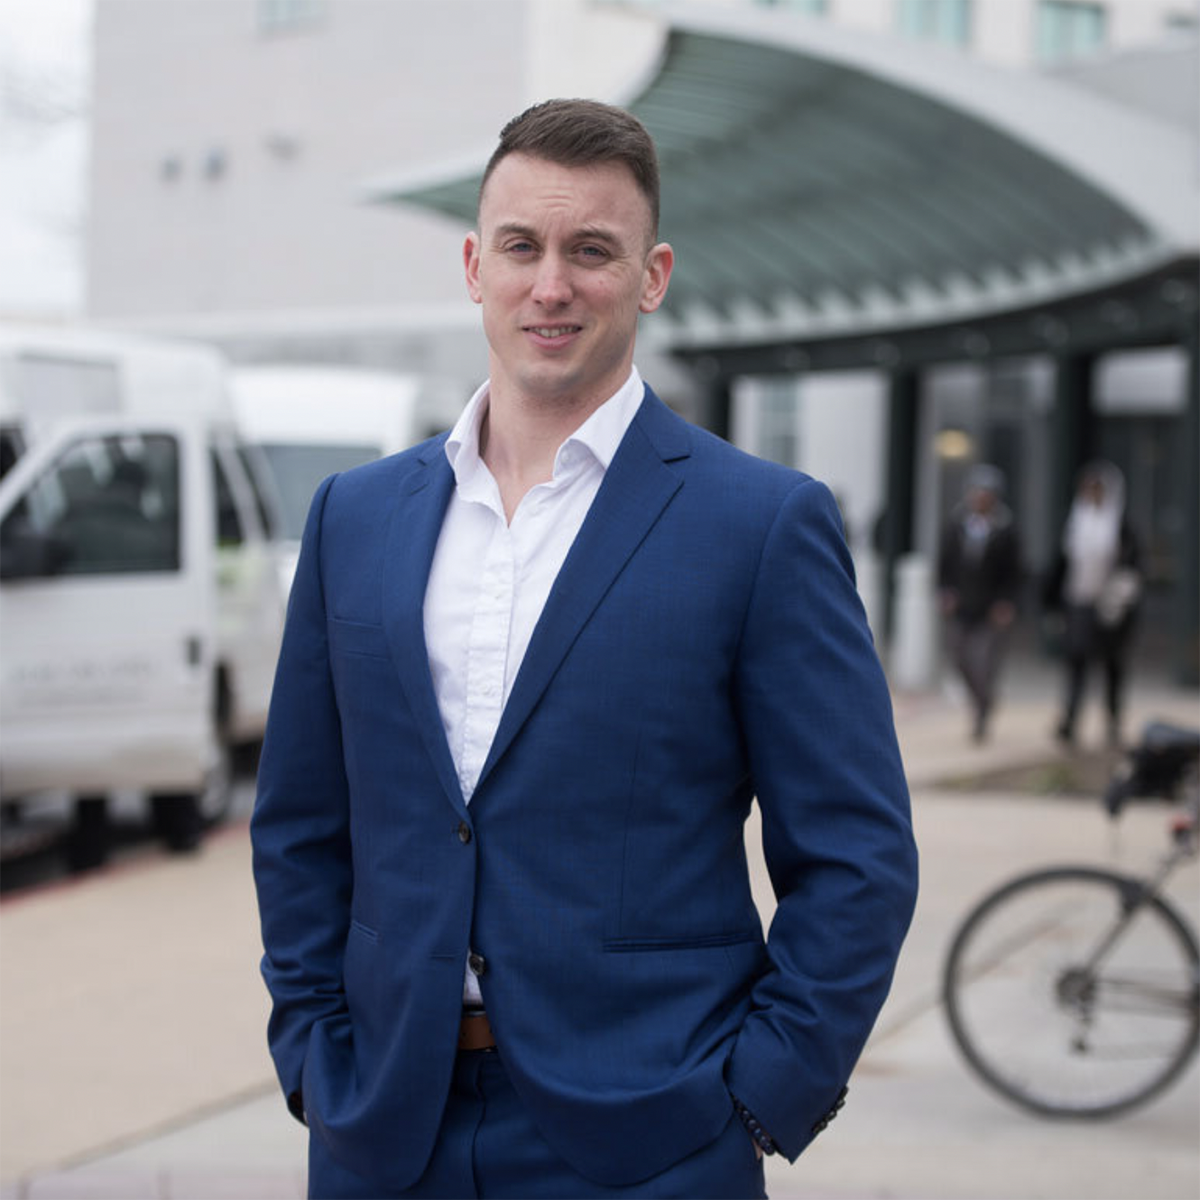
x=821, y=182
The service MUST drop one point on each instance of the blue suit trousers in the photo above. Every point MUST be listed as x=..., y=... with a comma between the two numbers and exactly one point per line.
x=488, y=1146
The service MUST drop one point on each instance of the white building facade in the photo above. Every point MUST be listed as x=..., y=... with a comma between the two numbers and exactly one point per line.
x=232, y=144
x=230, y=140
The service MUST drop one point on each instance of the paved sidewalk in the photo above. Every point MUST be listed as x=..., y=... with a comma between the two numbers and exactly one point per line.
x=916, y=1125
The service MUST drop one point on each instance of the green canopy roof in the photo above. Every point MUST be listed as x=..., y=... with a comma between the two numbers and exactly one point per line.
x=821, y=182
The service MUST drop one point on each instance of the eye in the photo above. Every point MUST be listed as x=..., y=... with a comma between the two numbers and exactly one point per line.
x=519, y=248
x=593, y=253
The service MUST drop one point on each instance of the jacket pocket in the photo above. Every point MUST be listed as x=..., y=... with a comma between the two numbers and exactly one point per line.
x=354, y=637
x=626, y=945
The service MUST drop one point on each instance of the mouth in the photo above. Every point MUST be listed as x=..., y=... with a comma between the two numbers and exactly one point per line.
x=552, y=333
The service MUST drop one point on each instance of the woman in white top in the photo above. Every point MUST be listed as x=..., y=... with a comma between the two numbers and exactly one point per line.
x=1101, y=587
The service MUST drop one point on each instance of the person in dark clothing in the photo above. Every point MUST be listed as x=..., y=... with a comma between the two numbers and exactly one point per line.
x=979, y=583
x=1097, y=584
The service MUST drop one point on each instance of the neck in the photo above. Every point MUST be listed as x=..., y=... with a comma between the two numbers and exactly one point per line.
x=518, y=442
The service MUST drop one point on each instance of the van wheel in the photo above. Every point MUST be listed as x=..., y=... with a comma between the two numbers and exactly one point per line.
x=216, y=794
x=89, y=839
x=216, y=797
x=177, y=821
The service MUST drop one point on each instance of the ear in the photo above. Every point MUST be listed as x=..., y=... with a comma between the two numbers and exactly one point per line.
x=471, y=266
x=656, y=276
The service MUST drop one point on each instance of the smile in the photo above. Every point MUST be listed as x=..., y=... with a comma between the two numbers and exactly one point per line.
x=553, y=331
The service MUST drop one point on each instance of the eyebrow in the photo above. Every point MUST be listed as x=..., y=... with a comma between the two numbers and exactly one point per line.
x=590, y=233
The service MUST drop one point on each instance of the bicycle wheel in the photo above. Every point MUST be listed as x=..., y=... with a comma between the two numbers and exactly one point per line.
x=1057, y=1024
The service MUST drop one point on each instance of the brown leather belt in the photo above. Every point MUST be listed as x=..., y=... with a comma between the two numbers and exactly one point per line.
x=475, y=1032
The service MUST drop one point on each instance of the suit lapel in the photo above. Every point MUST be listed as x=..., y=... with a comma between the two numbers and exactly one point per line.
x=411, y=542
x=636, y=489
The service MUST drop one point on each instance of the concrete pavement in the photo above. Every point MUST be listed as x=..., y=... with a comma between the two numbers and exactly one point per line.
x=131, y=1014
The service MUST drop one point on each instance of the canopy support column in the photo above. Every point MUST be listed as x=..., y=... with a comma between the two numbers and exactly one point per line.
x=1187, y=591
x=1072, y=433
x=897, y=524
x=716, y=408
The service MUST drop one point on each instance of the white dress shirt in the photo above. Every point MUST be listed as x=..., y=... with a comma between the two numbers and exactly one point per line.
x=490, y=578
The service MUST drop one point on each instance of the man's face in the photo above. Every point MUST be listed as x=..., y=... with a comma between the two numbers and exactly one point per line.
x=981, y=500
x=562, y=264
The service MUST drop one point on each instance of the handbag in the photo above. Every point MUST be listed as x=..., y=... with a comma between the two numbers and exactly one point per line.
x=1117, y=597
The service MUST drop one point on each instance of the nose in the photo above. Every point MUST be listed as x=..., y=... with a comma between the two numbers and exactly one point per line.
x=552, y=283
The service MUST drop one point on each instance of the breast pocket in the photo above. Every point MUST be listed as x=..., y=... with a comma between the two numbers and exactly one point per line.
x=356, y=638
x=365, y=682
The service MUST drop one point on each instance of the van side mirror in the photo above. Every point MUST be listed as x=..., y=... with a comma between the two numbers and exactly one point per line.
x=27, y=554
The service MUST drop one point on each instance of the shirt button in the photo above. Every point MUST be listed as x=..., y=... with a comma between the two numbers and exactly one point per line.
x=477, y=963
x=464, y=832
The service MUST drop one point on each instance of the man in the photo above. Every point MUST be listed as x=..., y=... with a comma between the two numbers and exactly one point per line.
x=979, y=582
x=533, y=676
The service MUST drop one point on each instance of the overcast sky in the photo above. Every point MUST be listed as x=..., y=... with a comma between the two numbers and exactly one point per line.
x=44, y=86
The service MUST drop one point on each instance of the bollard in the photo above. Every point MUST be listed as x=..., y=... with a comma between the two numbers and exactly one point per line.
x=868, y=571
x=914, y=630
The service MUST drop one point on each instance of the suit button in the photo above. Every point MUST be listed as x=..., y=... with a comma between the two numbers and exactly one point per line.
x=464, y=832
x=477, y=963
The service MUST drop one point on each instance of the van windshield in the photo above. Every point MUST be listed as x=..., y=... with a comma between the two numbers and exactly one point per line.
x=299, y=468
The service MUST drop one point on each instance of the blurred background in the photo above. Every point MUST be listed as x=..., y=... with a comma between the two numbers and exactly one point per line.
x=912, y=237
x=45, y=92
x=913, y=234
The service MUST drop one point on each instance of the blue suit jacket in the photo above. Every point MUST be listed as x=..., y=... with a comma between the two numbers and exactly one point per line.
x=702, y=645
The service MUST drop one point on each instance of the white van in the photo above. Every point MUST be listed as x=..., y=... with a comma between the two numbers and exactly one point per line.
x=310, y=421
x=140, y=608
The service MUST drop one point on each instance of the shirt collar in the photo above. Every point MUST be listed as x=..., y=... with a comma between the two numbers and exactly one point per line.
x=600, y=434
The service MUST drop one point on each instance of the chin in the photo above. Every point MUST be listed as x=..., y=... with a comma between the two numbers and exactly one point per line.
x=551, y=387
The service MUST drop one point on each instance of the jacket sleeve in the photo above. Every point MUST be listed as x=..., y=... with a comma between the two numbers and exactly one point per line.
x=837, y=834
x=300, y=827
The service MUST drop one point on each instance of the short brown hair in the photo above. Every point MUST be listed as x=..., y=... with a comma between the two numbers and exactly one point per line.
x=579, y=133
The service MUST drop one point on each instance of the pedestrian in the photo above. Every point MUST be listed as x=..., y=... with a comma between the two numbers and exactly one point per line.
x=1097, y=585
x=534, y=673
x=979, y=585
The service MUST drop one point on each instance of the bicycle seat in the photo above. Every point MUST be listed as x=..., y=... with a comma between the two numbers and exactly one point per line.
x=1156, y=766
x=1158, y=737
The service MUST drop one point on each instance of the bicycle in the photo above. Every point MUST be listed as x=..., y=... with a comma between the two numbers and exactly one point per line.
x=1074, y=991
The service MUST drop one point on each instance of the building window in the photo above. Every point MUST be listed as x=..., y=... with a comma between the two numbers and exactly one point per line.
x=1068, y=30
x=280, y=16
x=946, y=21
x=817, y=8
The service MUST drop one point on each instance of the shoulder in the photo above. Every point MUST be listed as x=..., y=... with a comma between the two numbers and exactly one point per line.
x=699, y=453
x=736, y=504
x=385, y=475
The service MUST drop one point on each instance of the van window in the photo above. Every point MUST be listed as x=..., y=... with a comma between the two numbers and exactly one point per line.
x=298, y=470
x=266, y=514
x=230, y=531
x=108, y=505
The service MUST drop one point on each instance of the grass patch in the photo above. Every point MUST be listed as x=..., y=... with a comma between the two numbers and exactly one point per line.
x=1085, y=775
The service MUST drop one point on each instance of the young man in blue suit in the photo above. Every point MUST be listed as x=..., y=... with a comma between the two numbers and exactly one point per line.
x=534, y=674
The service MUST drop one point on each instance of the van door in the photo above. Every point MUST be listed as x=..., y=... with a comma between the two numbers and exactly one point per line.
x=107, y=611
x=250, y=600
